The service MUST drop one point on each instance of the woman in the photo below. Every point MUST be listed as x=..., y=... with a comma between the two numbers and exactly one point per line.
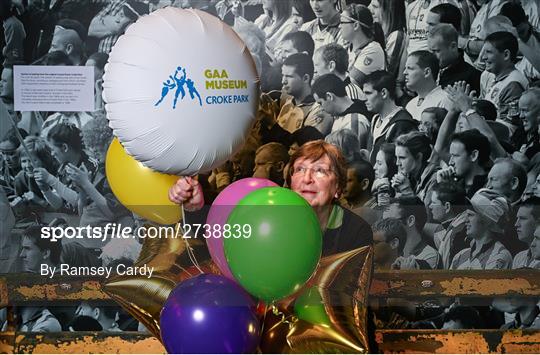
x=390, y=14
x=318, y=173
x=365, y=55
x=301, y=12
x=348, y=144
x=385, y=169
x=415, y=176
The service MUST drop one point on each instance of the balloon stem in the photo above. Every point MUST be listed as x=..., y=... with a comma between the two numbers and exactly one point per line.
x=189, y=249
x=290, y=320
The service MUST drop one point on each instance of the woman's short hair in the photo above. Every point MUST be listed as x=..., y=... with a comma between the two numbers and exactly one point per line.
x=314, y=151
x=416, y=142
x=347, y=142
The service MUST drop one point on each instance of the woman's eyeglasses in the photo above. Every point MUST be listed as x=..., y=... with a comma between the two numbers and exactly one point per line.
x=318, y=172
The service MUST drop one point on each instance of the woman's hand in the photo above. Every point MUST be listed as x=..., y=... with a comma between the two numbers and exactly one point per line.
x=187, y=191
x=402, y=185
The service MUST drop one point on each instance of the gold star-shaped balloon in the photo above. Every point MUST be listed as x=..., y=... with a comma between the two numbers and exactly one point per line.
x=144, y=297
x=330, y=313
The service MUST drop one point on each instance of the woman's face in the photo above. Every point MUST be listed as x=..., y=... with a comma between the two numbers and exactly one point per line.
x=536, y=187
x=381, y=169
x=347, y=26
x=405, y=160
x=375, y=9
x=315, y=181
x=297, y=19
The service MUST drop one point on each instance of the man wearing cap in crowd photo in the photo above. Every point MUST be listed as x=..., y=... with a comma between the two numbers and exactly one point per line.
x=483, y=226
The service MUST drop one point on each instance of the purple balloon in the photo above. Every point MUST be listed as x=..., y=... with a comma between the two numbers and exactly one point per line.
x=224, y=203
x=209, y=314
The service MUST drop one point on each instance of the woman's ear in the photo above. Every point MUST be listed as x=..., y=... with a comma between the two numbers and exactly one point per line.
x=364, y=184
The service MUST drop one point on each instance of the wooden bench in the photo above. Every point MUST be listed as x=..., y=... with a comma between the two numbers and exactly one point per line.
x=17, y=289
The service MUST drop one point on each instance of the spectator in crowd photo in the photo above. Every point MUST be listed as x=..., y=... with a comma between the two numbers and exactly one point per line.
x=390, y=120
x=347, y=142
x=68, y=37
x=443, y=42
x=325, y=28
x=30, y=197
x=270, y=161
x=448, y=202
x=527, y=312
x=358, y=190
x=14, y=35
x=473, y=43
x=330, y=93
x=483, y=227
x=421, y=72
x=37, y=251
x=529, y=40
x=417, y=253
x=501, y=83
x=111, y=22
x=107, y=316
x=37, y=319
x=430, y=122
x=417, y=14
x=385, y=168
x=390, y=15
x=298, y=107
x=334, y=59
x=445, y=13
x=366, y=55
x=469, y=159
x=389, y=240
x=416, y=174
x=527, y=223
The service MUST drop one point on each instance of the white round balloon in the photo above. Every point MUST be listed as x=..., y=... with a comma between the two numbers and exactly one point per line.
x=181, y=91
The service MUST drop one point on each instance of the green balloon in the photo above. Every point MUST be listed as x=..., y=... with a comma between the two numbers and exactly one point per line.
x=284, y=245
x=309, y=306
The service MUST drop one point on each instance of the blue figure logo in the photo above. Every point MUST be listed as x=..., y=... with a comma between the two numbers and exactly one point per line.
x=177, y=81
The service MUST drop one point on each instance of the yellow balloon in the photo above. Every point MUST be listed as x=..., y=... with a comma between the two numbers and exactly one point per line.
x=141, y=189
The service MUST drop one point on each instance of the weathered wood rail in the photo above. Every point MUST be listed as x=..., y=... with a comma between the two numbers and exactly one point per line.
x=18, y=289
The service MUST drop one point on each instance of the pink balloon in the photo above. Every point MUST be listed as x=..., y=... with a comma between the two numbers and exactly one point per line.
x=220, y=210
